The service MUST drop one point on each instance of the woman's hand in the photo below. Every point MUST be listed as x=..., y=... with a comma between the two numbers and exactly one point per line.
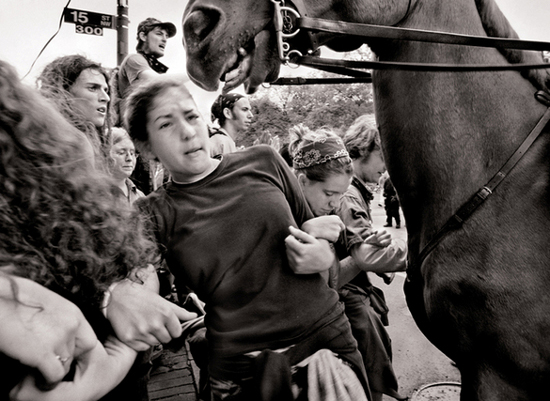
x=41, y=329
x=307, y=254
x=326, y=227
x=379, y=238
x=378, y=259
x=97, y=372
x=141, y=318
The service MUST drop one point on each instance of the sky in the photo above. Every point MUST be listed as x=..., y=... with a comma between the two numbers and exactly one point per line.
x=26, y=26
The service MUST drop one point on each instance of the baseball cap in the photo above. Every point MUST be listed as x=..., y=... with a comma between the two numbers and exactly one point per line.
x=147, y=25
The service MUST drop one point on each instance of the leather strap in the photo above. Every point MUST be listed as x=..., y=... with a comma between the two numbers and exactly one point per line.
x=315, y=81
x=467, y=209
x=390, y=32
x=349, y=67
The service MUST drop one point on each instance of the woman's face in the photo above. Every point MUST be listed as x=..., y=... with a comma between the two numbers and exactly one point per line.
x=124, y=155
x=371, y=168
x=91, y=96
x=324, y=196
x=178, y=136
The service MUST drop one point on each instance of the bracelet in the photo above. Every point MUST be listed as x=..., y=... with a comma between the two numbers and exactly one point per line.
x=107, y=297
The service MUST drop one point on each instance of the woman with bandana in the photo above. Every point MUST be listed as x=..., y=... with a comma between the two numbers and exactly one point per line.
x=233, y=113
x=325, y=171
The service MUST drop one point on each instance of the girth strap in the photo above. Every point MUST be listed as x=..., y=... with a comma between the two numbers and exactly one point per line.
x=467, y=209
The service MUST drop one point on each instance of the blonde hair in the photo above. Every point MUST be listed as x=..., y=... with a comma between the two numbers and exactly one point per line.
x=362, y=137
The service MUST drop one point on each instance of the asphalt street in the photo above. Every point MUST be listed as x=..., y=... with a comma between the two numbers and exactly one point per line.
x=417, y=363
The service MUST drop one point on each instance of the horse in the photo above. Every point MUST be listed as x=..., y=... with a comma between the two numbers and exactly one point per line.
x=481, y=295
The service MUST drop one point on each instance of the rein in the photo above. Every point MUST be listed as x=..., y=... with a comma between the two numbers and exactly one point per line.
x=289, y=22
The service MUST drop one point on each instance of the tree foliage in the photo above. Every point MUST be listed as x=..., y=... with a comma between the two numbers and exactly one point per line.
x=336, y=106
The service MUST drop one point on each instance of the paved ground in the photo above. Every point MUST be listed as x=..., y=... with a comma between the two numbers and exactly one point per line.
x=174, y=377
x=416, y=361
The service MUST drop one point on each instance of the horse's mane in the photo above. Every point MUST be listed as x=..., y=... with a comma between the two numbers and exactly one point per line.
x=496, y=25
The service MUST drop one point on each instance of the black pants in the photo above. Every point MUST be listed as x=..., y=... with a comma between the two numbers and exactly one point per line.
x=392, y=212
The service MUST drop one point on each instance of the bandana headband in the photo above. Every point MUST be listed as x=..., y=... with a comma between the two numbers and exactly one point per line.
x=312, y=152
x=226, y=101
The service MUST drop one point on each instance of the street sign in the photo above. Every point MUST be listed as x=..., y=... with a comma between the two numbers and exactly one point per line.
x=88, y=18
x=88, y=29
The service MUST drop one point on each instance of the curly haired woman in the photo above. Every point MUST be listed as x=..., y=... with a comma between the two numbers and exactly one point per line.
x=62, y=227
x=79, y=87
x=325, y=170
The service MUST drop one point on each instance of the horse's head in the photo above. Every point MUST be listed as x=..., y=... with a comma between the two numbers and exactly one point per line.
x=235, y=40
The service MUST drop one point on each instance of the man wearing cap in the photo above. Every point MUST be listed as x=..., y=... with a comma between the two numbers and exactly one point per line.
x=152, y=36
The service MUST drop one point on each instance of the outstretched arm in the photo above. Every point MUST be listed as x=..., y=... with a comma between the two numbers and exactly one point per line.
x=140, y=317
x=379, y=259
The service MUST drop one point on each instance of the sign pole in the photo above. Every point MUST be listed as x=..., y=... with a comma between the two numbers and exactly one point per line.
x=122, y=30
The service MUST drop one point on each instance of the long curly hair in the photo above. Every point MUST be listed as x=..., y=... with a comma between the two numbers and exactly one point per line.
x=55, y=82
x=60, y=223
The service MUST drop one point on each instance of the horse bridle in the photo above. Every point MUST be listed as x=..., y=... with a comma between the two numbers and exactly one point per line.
x=292, y=19
x=285, y=28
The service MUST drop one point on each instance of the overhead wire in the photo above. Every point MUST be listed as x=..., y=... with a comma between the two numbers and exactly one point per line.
x=48, y=42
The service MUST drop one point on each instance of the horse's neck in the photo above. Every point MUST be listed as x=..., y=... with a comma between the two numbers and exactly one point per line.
x=445, y=134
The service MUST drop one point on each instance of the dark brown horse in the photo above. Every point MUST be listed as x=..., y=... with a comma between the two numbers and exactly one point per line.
x=483, y=294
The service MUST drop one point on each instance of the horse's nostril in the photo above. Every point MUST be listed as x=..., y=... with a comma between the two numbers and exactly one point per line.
x=199, y=24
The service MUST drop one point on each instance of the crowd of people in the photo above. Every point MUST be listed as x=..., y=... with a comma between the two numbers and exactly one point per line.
x=115, y=191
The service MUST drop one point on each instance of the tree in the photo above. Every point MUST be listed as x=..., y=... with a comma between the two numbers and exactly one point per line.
x=335, y=106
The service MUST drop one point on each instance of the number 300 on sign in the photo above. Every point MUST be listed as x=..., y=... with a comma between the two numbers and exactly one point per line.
x=89, y=30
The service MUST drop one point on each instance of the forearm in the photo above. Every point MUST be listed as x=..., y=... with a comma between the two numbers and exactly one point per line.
x=381, y=259
x=348, y=270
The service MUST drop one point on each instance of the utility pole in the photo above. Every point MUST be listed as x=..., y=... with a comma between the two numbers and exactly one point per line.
x=122, y=30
